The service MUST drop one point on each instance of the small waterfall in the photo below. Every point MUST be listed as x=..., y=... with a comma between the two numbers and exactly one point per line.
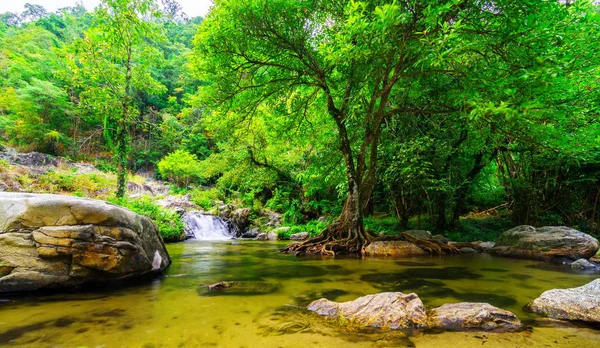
x=208, y=227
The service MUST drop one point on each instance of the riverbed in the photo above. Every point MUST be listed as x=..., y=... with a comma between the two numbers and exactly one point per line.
x=266, y=310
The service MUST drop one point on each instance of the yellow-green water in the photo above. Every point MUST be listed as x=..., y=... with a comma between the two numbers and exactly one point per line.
x=177, y=311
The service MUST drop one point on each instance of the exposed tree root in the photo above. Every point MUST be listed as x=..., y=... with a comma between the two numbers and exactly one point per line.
x=326, y=243
x=431, y=246
x=337, y=238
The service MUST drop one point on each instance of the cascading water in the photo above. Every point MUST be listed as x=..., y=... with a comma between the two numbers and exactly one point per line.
x=208, y=227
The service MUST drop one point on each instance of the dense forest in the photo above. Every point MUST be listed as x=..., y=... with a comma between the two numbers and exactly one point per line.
x=462, y=117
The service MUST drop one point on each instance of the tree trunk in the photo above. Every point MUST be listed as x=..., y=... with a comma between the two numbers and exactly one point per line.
x=346, y=235
x=461, y=193
x=440, y=222
x=122, y=152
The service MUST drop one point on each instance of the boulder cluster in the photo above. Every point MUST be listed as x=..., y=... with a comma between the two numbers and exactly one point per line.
x=399, y=311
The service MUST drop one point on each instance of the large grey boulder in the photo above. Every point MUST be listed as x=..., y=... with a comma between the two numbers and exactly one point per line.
x=53, y=241
x=391, y=310
x=545, y=243
x=467, y=316
x=582, y=303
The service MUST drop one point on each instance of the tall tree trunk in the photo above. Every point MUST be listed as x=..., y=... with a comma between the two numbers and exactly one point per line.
x=460, y=195
x=347, y=234
x=122, y=153
x=441, y=222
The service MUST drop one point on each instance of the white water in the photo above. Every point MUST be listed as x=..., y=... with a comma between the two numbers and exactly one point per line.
x=207, y=227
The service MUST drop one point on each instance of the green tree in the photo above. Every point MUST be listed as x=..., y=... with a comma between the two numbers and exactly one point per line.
x=112, y=64
x=364, y=63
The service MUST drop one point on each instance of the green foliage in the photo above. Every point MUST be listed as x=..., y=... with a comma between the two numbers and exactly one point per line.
x=4, y=166
x=181, y=167
x=386, y=225
x=313, y=227
x=169, y=223
x=61, y=181
x=480, y=229
x=205, y=198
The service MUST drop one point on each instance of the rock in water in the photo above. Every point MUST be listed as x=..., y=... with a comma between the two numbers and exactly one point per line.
x=583, y=264
x=582, y=303
x=390, y=310
x=220, y=286
x=545, y=243
x=52, y=241
x=299, y=236
x=467, y=316
x=397, y=248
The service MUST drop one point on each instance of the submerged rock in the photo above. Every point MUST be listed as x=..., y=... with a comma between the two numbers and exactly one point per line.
x=582, y=303
x=220, y=285
x=545, y=243
x=391, y=310
x=583, y=264
x=299, y=236
x=393, y=248
x=52, y=241
x=467, y=316
x=235, y=288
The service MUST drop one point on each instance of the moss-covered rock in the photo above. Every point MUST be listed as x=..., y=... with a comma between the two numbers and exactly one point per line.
x=545, y=243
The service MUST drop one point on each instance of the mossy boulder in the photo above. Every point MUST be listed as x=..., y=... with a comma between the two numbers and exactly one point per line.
x=545, y=243
x=53, y=241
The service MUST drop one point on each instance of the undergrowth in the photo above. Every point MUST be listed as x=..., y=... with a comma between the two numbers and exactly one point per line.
x=169, y=223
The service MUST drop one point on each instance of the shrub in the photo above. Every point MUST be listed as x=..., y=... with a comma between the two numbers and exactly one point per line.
x=180, y=167
x=313, y=227
x=387, y=225
x=205, y=198
x=169, y=223
x=87, y=184
x=4, y=166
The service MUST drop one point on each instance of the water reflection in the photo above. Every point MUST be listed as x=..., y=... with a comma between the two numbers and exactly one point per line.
x=267, y=308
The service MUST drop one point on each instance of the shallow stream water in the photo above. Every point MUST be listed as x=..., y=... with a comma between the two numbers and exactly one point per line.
x=264, y=309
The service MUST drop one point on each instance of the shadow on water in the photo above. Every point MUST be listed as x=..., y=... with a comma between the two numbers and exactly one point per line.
x=428, y=283
x=330, y=294
x=495, y=270
x=415, y=264
x=444, y=273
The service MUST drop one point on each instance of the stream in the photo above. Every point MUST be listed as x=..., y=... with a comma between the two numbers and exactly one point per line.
x=176, y=310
